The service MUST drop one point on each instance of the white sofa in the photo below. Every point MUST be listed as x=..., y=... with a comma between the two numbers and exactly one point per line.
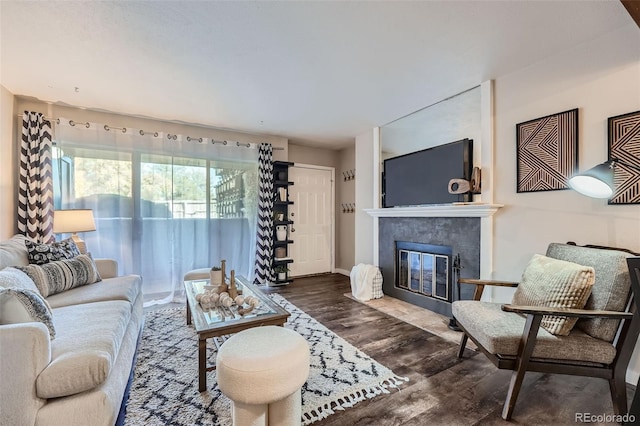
x=80, y=377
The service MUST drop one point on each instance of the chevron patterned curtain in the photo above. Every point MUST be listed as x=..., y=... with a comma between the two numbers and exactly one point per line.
x=264, y=241
x=35, y=190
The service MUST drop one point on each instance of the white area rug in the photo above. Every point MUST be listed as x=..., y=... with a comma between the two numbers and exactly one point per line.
x=165, y=385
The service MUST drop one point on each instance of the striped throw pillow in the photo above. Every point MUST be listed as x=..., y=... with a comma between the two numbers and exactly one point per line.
x=61, y=275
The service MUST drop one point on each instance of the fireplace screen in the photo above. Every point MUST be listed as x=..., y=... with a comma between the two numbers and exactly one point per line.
x=424, y=272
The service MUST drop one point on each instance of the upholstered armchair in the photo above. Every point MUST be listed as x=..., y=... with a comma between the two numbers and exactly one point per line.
x=573, y=313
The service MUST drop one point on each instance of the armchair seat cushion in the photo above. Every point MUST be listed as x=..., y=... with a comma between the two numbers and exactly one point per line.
x=500, y=332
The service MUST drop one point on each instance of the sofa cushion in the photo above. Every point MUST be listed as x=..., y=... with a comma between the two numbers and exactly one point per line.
x=58, y=276
x=611, y=287
x=127, y=287
x=40, y=254
x=500, y=332
x=21, y=302
x=13, y=252
x=86, y=348
x=556, y=284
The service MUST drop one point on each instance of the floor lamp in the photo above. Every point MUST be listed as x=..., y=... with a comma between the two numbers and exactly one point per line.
x=597, y=182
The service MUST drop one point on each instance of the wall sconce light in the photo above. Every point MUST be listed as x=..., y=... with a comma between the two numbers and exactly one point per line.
x=73, y=221
x=597, y=182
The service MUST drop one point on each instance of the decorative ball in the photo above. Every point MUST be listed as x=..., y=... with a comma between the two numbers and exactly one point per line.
x=214, y=298
x=224, y=293
x=199, y=296
x=239, y=300
x=226, y=302
x=205, y=299
x=254, y=302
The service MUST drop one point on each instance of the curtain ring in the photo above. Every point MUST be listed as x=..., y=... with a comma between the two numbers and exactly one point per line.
x=73, y=123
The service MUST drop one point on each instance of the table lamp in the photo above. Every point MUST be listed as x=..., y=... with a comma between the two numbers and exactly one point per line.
x=73, y=221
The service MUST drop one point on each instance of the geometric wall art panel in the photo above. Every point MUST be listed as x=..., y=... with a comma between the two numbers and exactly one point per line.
x=547, y=152
x=624, y=146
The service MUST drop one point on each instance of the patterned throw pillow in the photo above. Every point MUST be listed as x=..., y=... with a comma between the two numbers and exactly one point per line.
x=21, y=302
x=555, y=283
x=40, y=254
x=61, y=275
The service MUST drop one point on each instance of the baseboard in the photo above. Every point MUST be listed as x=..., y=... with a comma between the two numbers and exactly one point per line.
x=341, y=271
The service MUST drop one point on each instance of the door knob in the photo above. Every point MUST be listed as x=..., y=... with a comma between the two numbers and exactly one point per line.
x=293, y=229
x=292, y=214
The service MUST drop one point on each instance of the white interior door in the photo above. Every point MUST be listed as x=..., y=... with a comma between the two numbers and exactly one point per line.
x=311, y=212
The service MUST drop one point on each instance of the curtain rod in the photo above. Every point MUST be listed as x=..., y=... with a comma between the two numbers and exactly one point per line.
x=170, y=136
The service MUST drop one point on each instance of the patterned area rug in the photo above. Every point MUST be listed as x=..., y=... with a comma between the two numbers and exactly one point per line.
x=165, y=385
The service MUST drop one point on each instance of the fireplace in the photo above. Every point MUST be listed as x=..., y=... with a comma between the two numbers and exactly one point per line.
x=428, y=244
x=424, y=269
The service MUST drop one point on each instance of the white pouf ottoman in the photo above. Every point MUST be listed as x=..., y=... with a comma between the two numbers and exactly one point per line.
x=261, y=370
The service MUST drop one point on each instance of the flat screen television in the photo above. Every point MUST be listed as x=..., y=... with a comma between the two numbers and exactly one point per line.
x=422, y=177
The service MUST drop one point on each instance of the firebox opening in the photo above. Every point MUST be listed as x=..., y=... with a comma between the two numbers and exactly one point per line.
x=425, y=269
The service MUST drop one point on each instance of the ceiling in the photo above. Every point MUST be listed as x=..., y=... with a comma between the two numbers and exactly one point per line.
x=319, y=73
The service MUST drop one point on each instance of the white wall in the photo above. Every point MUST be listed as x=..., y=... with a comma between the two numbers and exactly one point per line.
x=8, y=142
x=366, y=174
x=602, y=79
x=345, y=225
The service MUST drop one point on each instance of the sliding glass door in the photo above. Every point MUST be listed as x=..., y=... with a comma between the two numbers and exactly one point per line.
x=161, y=214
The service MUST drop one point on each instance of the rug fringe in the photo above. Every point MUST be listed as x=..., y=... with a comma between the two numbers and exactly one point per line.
x=348, y=401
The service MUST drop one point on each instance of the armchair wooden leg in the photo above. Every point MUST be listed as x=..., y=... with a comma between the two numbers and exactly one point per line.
x=525, y=349
x=463, y=344
x=618, y=388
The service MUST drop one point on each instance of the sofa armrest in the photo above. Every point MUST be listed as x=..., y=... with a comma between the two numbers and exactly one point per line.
x=108, y=268
x=25, y=350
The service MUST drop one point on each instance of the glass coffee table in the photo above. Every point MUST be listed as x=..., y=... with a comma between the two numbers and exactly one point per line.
x=222, y=321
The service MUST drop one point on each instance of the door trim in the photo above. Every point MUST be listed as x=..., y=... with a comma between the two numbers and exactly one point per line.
x=332, y=255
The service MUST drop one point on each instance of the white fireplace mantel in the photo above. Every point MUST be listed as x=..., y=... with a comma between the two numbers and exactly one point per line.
x=439, y=210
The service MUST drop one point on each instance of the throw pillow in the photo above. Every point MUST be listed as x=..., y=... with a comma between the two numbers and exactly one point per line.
x=61, y=275
x=11, y=277
x=40, y=254
x=20, y=301
x=557, y=284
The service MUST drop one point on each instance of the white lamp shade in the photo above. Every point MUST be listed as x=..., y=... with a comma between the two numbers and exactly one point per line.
x=596, y=182
x=591, y=187
x=73, y=221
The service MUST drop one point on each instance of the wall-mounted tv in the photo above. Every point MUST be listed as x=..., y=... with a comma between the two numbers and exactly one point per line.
x=422, y=177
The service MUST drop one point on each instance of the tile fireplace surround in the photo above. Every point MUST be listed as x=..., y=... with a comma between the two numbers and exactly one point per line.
x=466, y=228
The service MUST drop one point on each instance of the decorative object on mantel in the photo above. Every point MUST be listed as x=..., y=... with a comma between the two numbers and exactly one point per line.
x=462, y=186
x=624, y=148
x=547, y=152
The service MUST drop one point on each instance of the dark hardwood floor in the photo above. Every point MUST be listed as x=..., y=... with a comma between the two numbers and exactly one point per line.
x=442, y=390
